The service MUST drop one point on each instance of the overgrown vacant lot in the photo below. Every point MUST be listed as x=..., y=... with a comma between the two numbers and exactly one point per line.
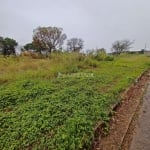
x=56, y=103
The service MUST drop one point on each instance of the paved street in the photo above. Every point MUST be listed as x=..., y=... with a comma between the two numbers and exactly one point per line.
x=141, y=137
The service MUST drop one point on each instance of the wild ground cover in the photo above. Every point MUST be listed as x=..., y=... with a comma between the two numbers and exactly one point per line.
x=55, y=103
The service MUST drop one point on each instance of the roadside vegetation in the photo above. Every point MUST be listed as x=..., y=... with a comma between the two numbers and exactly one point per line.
x=55, y=102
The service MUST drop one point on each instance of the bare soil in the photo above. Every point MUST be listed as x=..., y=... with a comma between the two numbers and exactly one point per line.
x=122, y=123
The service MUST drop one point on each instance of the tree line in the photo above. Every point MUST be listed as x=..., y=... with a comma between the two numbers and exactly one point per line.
x=51, y=39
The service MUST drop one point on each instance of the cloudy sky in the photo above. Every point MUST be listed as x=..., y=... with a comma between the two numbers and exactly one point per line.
x=98, y=22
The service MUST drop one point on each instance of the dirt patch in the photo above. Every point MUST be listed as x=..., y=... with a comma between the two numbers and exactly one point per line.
x=123, y=118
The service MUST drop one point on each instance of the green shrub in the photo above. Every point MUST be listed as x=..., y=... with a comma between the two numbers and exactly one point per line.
x=109, y=58
x=99, y=57
x=91, y=62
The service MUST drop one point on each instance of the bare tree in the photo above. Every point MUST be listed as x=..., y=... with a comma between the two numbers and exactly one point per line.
x=75, y=44
x=121, y=46
x=48, y=38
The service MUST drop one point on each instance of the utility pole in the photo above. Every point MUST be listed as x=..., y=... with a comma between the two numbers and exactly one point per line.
x=145, y=46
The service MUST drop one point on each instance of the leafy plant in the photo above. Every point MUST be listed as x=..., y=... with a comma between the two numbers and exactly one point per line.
x=38, y=110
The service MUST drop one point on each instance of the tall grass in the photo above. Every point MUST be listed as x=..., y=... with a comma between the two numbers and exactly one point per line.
x=15, y=68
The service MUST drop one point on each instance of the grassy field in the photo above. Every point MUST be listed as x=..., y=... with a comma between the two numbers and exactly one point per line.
x=55, y=103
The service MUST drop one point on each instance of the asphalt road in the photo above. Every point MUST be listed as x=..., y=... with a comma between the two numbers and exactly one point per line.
x=141, y=137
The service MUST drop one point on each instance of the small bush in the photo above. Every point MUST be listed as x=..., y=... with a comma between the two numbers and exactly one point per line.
x=109, y=58
x=100, y=54
x=91, y=62
x=99, y=57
